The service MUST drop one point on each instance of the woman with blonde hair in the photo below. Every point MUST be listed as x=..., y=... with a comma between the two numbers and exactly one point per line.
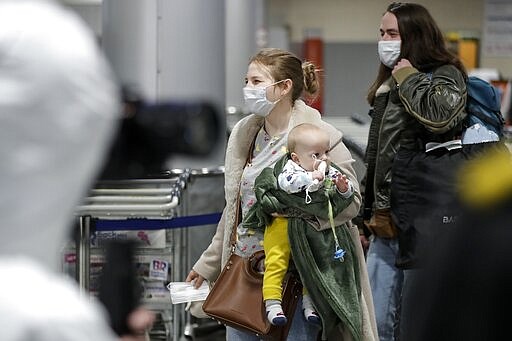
x=275, y=82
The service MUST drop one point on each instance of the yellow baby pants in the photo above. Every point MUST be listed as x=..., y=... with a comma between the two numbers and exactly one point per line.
x=277, y=257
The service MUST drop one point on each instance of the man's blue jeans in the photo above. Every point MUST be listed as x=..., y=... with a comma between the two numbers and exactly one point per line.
x=386, y=282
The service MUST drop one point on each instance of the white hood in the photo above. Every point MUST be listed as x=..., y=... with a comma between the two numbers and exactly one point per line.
x=58, y=104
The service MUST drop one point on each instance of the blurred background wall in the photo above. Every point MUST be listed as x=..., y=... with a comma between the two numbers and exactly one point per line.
x=348, y=31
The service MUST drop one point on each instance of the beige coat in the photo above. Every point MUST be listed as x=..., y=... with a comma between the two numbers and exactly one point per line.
x=215, y=256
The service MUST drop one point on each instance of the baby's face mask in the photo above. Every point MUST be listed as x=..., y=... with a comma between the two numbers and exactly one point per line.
x=317, y=161
x=310, y=157
x=318, y=158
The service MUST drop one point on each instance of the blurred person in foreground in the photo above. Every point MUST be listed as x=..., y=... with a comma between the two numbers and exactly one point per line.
x=463, y=291
x=58, y=107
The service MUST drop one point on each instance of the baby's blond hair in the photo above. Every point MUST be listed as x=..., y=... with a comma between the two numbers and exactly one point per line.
x=299, y=135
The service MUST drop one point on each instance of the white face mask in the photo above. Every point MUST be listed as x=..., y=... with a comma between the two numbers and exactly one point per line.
x=389, y=50
x=256, y=100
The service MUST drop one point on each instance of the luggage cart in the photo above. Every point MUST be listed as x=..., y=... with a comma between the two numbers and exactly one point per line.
x=204, y=196
x=175, y=202
x=140, y=209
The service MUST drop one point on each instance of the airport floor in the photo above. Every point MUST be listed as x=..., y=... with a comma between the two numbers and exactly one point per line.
x=205, y=330
x=219, y=335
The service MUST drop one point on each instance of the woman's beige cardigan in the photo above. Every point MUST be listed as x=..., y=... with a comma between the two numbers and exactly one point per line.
x=215, y=256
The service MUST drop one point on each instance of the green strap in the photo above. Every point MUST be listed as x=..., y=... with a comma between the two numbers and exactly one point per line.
x=338, y=252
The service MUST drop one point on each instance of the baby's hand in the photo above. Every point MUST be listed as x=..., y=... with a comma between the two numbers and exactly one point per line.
x=341, y=182
x=318, y=175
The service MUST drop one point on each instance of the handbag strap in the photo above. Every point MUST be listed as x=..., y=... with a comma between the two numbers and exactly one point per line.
x=238, y=215
x=237, y=221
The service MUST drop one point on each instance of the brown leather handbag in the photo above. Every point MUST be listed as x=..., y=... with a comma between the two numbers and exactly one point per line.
x=236, y=298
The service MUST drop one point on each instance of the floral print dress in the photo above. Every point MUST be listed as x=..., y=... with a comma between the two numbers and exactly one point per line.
x=267, y=150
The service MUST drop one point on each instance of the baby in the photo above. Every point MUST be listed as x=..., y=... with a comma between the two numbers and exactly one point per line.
x=308, y=169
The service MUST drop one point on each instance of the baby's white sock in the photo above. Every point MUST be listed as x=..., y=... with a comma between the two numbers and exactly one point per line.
x=275, y=313
x=309, y=310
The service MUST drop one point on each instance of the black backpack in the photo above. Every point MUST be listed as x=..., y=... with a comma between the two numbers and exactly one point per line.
x=483, y=106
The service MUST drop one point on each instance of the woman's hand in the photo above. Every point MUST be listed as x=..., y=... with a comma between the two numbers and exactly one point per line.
x=365, y=243
x=139, y=321
x=196, y=278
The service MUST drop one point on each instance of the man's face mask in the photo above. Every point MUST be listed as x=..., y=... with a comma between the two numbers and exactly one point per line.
x=389, y=51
